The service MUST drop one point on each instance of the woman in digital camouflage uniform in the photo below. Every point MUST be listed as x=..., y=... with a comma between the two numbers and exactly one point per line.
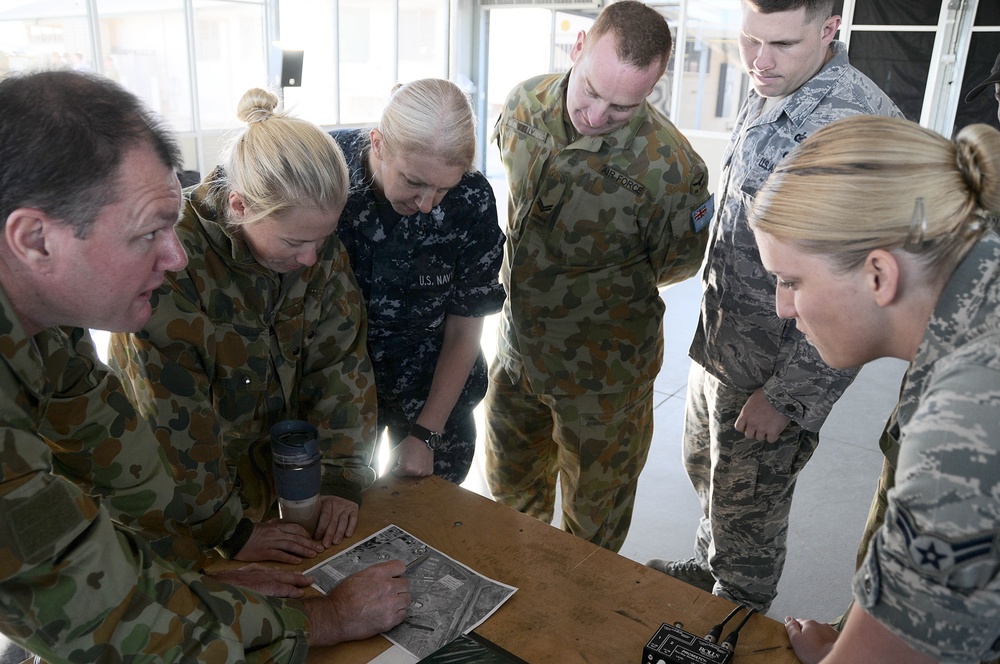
x=266, y=323
x=421, y=228
x=878, y=233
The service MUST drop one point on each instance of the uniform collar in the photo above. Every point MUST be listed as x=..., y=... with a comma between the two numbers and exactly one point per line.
x=557, y=122
x=19, y=351
x=207, y=201
x=801, y=104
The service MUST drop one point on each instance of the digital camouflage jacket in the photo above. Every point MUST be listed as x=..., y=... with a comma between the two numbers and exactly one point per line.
x=596, y=224
x=931, y=572
x=233, y=347
x=73, y=585
x=417, y=271
x=740, y=339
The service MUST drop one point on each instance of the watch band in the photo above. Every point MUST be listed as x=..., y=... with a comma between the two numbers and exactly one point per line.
x=431, y=438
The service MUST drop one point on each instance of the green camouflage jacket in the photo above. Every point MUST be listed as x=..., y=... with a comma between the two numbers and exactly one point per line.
x=73, y=585
x=595, y=226
x=232, y=348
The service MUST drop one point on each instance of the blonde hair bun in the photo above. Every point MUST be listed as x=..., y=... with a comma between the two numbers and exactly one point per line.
x=257, y=105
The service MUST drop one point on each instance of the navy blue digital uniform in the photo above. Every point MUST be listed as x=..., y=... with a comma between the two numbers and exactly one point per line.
x=414, y=271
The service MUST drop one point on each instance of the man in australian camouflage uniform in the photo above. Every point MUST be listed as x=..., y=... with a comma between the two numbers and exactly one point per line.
x=88, y=200
x=608, y=202
x=758, y=392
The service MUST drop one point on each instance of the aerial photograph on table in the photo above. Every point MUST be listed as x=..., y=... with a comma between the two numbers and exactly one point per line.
x=449, y=599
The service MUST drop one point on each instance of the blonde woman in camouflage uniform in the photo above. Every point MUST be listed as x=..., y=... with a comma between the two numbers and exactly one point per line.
x=265, y=323
x=421, y=229
x=913, y=272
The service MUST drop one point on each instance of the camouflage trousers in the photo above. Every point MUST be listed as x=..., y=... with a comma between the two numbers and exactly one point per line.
x=596, y=445
x=745, y=488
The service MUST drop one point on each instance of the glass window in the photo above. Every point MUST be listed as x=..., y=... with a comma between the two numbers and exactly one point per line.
x=145, y=49
x=423, y=39
x=988, y=13
x=230, y=57
x=713, y=83
x=308, y=25
x=45, y=36
x=532, y=30
x=661, y=96
x=983, y=51
x=367, y=67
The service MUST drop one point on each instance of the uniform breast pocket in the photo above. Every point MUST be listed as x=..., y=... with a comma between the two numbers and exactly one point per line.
x=589, y=225
x=525, y=152
x=242, y=371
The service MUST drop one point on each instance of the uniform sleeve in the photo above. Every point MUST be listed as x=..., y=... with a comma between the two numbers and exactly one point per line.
x=337, y=387
x=933, y=574
x=73, y=587
x=803, y=384
x=99, y=442
x=478, y=291
x=677, y=233
x=165, y=369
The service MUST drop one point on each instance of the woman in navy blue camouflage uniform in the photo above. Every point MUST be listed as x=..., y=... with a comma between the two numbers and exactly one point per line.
x=421, y=229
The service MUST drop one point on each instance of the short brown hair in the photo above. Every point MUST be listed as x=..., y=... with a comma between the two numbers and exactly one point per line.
x=815, y=9
x=642, y=35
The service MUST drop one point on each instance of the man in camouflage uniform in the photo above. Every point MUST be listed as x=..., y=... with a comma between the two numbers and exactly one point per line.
x=758, y=393
x=232, y=348
x=88, y=200
x=422, y=273
x=608, y=202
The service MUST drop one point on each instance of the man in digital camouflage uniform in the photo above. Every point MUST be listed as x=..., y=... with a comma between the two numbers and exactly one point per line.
x=608, y=202
x=758, y=393
x=232, y=348
x=88, y=200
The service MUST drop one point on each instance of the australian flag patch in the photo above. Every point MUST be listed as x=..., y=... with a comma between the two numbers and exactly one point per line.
x=702, y=215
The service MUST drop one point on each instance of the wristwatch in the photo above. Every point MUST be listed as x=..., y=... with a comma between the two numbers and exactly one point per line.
x=431, y=438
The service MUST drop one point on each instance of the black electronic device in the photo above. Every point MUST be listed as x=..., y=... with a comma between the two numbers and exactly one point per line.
x=672, y=644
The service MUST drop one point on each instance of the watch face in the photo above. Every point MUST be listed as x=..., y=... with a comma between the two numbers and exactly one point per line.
x=434, y=441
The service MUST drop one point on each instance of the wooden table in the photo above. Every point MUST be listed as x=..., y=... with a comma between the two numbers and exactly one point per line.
x=575, y=602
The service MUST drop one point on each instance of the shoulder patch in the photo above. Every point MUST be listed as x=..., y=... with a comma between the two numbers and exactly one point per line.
x=54, y=507
x=698, y=183
x=703, y=214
